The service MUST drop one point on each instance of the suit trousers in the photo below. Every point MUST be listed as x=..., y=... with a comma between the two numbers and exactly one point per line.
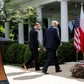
x=51, y=55
x=34, y=57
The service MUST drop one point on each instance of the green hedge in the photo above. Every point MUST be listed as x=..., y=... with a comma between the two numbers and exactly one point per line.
x=42, y=56
x=67, y=52
x=18, y=53
x=15, y=53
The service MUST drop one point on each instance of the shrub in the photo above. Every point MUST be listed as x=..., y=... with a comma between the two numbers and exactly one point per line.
x=77, y=71
x=42, y=56
x=18, y=53
x=4, y=52
x=67, y=53
x=14, y=53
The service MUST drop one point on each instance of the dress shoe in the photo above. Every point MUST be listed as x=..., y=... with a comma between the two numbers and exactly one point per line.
x=44, y=72
x=58, y=70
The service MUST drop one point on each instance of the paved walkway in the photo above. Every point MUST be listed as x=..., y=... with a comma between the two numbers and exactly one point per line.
x=17, y=75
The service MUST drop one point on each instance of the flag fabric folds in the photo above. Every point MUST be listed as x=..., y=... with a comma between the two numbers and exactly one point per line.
x=77, y=43
x=82, y=28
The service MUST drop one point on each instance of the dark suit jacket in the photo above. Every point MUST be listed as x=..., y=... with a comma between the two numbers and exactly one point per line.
x=51, y=39
x=33, y=43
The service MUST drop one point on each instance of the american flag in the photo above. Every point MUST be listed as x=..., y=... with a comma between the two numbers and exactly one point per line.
x=77, y=32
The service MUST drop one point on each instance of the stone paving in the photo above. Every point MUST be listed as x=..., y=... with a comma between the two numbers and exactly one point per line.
x=17, y=75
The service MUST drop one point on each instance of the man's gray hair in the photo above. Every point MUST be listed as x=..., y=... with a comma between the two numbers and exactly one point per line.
x=54, y=23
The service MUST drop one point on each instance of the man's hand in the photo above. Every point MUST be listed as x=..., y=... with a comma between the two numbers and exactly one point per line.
x=45, y=49
x=38, y=49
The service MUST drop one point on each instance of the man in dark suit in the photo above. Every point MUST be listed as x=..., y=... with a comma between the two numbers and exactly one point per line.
x=51, y=44
x=34, y=47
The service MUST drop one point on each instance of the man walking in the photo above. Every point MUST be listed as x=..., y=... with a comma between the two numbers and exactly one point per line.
x=51, y=43
x=34, y=47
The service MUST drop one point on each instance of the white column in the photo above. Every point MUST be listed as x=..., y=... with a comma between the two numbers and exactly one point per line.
x=49, y=22
x=7, y=34
x=39, y=18
x=21, y=33
x=64, y=21
x=29, y=29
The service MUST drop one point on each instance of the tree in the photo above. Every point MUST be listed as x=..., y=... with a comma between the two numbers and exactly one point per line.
x=1, y=7
x=12, y=12
x=9, y=10
x=29, y=15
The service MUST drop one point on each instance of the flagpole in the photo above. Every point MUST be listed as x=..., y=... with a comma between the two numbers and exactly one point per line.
x=76, y=56
x=83, y=56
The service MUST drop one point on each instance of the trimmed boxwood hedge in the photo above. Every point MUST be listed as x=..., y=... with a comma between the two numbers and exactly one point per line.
x=18, y=53
x=15, y=53
x=67, y=52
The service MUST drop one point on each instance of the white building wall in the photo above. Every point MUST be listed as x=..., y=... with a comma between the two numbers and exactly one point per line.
x=7, y=33
x=55, y=16
x=36, y=3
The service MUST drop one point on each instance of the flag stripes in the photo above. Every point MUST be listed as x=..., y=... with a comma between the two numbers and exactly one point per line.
x=77, y=32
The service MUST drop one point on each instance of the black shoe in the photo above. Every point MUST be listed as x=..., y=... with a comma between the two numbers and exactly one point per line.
x=58, y=70
x=44, y=72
